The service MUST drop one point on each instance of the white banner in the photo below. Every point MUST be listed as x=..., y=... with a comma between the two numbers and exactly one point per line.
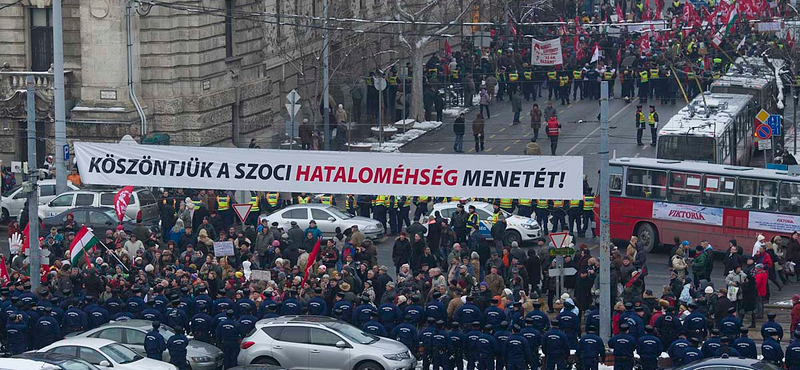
x=546, y=53
x=781, y=223
x=497, y=176
x=687, y=213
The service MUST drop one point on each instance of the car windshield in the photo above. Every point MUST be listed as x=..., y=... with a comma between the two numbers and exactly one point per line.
x=76, y=364
x=120, y=354
x=113, y=214
x=11, y=191
x=338, y=213
x=352, y=333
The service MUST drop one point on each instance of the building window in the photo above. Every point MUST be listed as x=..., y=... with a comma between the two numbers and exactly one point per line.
x=41, y=39
x=278, y=18
x=363, y=4
x=228, y=28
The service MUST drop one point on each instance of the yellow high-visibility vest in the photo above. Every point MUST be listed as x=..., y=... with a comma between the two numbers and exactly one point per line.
x=368, y=80
x=433, y=71
x=407, y=202
x=653, y=72
x=558, y=203
x=641, y=116
x=495, y=216
x=716, y=75
x=454, y=73
x=527, y=75
x=691, y=75
x=351, y=201
x=393, y=80
x=574, y=203
x=513, y=77
x=197, y=204
x=588, y=203
x=326, y=199
x=254, y=203
x=651, y=119
x=608, y=75
x=472, y=220
x=552, y=75
x=223, y=203
x=577, y=74
x=303, y=199
x=380, y=200
x=525, y=202
x=272, y=198
x=541, y=203
x=563, y=81
x=506, y=202
x=643, y=75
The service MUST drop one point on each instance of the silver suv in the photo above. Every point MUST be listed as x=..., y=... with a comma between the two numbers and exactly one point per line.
x=321, y=342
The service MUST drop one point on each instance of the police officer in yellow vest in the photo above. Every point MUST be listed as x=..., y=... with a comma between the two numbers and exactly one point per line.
x=577, y=82
x=379, y=209
x=656, y=89
x=644, y=85
x=473, y=220
x=563, y=86
x=574, y=210
x=527, y=82
x=542, y=213
x=506, y=204
x=652, y=121
x=552, y=84
x=421, y=202
x=274, y=201
x=558, y=215
x=524, y=207
x=588, y=214
x=224, y=209
x=405, y=210
x=639, y=121
x=502, y=81
x=350, y=204
x=255, y=209
x=303, y=198
x=328, y=199
x=513, y=84
x=393, y=206
x=610, y=74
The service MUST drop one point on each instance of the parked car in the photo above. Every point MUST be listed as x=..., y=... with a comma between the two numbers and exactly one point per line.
x=105, y=354
x=520, y=229
x=131, y=333
x=320, y=342
x=728, y=363
x=328, y=218
x=143, y=204
x=14, y=199
x=45, y=361
x=257, y=367
x=99, y=219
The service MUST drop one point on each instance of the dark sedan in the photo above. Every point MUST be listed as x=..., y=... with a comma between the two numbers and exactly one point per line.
x=99, y=219
x=728, y=363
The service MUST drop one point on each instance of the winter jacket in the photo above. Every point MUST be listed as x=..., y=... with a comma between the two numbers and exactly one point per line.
x=734, y=279
x=477, y=127
x=761, y=283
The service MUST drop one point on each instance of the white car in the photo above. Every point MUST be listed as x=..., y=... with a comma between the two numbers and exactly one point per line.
x=14, y=199
x=328, y=218
x=105, y=354
x=519, y=229
x=143, y=204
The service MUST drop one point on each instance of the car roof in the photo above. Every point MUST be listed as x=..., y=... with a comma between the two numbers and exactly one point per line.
x=51, y=358
x=133, y=323
x=26, y=364
x=307, y=205
x=299, y=319
x=89, y=342
x=258, y=367
x=728, y=361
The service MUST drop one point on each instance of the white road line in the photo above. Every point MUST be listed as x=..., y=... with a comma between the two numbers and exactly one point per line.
x=596, y=129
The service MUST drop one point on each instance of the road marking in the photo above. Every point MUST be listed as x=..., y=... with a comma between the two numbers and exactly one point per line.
x=637, y=155
x=502, y=129
x=492, y=137
x=561, y=111
x=488, y=150
x=440, y=149
x=511, y=124
x=471, y=150
x=507, y=148
x=597, y=129
x=517, y=141
x=527, y=135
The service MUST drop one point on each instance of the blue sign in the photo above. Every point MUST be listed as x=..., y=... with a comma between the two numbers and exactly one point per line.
x=763, y=131
x=66, y=152
x=774, y=122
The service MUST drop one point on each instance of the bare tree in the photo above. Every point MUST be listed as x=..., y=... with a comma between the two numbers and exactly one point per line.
x=418, y=25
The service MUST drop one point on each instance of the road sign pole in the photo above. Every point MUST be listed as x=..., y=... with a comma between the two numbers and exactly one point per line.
x=560, y=264
x=605, y=239
x=380, y=115
x=33, y=196
x=291, y=129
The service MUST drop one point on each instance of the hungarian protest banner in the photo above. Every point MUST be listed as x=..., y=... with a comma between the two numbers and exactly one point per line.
x=546, y=53
x=506, y=176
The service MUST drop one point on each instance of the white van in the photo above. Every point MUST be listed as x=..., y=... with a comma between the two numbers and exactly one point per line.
x=14, y=199
x=143, y=205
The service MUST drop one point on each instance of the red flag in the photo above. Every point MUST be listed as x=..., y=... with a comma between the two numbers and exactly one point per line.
x=576, y=44
x=312, y=257
x=644, y=43
x=659, y=8
x=4, y=278
x=789, y=39
x=25, y=236
x=446, y=51
x=619, y=56
x=620, y=16
x=646, y=13
x=123, y=197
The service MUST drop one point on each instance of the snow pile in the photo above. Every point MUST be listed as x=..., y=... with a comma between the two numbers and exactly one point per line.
x=787, y=303
x=455, y=111
x=400, y=139
x=427, y=125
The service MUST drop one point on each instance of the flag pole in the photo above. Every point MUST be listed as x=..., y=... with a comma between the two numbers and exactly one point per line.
x=114, y=255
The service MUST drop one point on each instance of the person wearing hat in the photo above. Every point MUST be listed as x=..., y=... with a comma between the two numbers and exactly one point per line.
x=771, y=350
x=46, y=329
x=517, y=351
x=407, y=334
x=692, y=353
x=570, y=324
x=151, y=313
x=342, y=303
x=649, y=348
x=246, y=320
x=200, y=323
x=154, y=343
x=426, y=342
x=487, y=348
x=652, y=121
x=696, y=322
x=555, y=347
x=457, y=342
x=136, y=303
x=494, y=315
x=501, y=334
x=364, y=312
x=540, y=320
x=176, y=345
x=590, y=349
x=17, y=334
x=440, y=344
x=792, y=359
x=623, y=345
x=771, y=327
x=472, y=345
x=639, y=121
x=745, y=345
x=228, y=337
x=374, y=327
x=729, y=326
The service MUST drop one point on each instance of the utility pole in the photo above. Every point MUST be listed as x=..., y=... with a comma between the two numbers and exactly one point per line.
x=506, y=30
x=605, y=240
x=326, y=104
x=58, y=96
x=33, y=195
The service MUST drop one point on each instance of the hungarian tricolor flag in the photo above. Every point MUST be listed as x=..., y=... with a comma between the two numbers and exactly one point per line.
x=312, y=257
x=729, y=17
x=84, y=241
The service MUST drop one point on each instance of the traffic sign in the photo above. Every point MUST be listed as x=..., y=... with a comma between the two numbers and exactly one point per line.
x=568, y=271
x=764, y=144
x=66, y=152
x=762, y=116
x=763, y=131
x=561, y=252
x=774, y=122
x=380, y=83
x=558, y=239
x=242, y=210
x=293, y=108
x=293, y=96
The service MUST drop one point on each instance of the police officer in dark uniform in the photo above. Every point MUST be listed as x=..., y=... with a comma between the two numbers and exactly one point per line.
x=458, y=342
x=590, y=349
x=47, y=329
x=17, y=333
x=487, y=349
x=649, y=348
x=176, y=345
x=623, y=345
x=440, y=342
x=374, y=327
x=426, y=343
x=771, y=349
x=692, y=353
x=745, y=346
x=555, y=347
x=154, y=343
x=729, y=326
x=539, y=319
x=517, y=352
x=771, y=327
x=228, y=338
x=200, y=326
x=407, y=334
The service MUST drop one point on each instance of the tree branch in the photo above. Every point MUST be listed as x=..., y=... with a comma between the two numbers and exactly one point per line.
x=401, y=12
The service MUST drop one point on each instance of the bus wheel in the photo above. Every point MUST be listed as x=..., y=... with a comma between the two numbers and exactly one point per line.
x=647, y=236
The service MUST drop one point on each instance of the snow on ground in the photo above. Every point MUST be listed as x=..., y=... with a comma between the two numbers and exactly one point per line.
x=454, y=112
x=401, y=138
x=787, y=303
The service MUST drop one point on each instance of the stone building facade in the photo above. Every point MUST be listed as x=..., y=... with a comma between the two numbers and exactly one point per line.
x=216, y=77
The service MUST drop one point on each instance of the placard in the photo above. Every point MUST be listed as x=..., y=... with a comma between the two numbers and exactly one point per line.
x=264, y=275
x=223, y=249
x=546, y=53
x=781, y=223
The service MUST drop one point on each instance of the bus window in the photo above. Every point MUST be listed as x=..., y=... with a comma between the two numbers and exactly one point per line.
x=719, y=191
x=790, y=197
x=684, y=187
x=754, y=194
x=646, y=183
x=615, y=184
x=686, y=148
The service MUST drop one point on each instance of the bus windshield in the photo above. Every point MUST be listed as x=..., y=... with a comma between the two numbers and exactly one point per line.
x=687, y=148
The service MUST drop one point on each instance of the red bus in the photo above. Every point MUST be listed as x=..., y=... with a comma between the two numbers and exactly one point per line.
x=657, y=200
